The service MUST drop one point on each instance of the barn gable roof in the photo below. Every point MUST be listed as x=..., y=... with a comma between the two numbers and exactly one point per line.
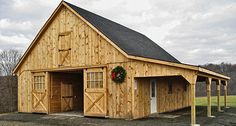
x=131, y=42
x=139, y=47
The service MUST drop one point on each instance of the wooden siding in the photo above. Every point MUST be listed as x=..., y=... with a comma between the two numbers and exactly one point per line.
x=88, y=48
x=146, y=69
x=179, y=98
x=119, y=95
x=142, y=98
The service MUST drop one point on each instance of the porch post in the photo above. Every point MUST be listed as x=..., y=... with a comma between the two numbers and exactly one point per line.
x=225, y=93
x=193, y=104
x=208, y=82
x=218, y=95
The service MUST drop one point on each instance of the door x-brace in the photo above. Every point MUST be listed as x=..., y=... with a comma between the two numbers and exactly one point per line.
x=39, y=101
x=64, y=56
x=94, y=102
x=67, y=101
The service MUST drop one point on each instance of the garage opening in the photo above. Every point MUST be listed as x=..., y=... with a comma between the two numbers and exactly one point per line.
x=66, y=93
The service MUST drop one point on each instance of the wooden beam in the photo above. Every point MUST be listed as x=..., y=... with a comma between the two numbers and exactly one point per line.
x=200, y=69
x=47, y=84
x=193, y=104
x=225, y=93
x=68, y=68
x=218, y=82
x=201, y=74
x=208, y=83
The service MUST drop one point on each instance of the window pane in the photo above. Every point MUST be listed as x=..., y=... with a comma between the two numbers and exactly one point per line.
x=100, y=76
x=88, y=84
x=88, y=77
x=39, y=82
x=101, y=84
x=95, y=80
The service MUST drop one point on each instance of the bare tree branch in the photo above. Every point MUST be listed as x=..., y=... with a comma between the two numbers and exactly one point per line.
x=8, y=60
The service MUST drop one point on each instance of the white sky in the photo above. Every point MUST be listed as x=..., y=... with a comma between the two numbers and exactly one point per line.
x=193, y=31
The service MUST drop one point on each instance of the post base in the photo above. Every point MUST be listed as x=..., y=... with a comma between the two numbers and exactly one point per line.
x=195, y=124
x=211, y=116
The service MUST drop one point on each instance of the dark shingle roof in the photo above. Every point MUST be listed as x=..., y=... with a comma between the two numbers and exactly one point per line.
x=130, y=41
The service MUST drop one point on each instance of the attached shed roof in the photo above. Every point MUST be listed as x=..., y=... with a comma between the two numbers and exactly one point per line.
x=130, y=41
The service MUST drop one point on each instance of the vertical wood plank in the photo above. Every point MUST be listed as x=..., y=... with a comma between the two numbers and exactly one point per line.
x=208, y=83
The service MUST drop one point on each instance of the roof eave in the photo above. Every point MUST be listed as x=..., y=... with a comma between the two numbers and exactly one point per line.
x=184, y=66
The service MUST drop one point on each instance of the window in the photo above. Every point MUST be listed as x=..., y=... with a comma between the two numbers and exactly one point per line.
x=170, y=90
x=95, y=80
x=153, y=88
x=39, y=82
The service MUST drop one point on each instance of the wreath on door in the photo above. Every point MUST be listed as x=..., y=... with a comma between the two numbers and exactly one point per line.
x=118, y=74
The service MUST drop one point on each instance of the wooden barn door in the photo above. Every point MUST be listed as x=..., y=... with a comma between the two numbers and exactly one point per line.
x=40, y=93
x=66, y=96
x=64, y=48
x=95, y=92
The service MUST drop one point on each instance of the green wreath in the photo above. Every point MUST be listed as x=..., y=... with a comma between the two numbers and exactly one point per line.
x=118, y=74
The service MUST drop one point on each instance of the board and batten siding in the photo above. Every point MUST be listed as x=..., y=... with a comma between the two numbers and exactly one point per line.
x=141, y=97
x=88, y=48
x=179, y=98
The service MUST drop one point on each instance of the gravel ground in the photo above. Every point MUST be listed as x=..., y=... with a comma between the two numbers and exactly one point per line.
x=177, y=118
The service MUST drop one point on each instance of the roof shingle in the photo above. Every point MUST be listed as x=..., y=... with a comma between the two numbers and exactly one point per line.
x=130, y=41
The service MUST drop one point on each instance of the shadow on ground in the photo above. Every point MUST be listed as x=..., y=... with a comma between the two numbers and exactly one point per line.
x=177, y=118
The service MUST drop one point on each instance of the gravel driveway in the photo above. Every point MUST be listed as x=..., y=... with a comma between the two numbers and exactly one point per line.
x=177, y=118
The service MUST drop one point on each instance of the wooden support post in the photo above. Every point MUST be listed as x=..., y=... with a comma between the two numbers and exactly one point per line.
x=193, y=105
x=218, y=95
x=225, y=94
x=208, y=82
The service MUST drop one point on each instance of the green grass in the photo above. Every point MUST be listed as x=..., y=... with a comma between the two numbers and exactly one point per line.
x=231, y=101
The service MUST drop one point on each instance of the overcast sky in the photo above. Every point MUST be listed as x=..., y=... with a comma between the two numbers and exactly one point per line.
x=193, y=31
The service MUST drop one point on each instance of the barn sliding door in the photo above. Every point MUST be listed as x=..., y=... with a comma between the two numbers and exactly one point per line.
x=95, y=94
x=64, y=49
x=40, y=93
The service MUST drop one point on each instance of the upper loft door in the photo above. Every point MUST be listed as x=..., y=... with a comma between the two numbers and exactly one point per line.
x=64, y=49
x=153, y=95
x=95, y=94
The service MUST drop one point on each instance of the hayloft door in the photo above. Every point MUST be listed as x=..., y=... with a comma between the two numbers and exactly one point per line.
x=64, y=49
x=95, y=94
x=153, y=95
x=40, y=93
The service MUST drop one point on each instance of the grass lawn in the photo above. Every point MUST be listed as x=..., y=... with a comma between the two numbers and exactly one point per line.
x=231, y=101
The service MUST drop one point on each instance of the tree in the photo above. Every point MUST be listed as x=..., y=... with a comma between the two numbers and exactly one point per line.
x=8, y=60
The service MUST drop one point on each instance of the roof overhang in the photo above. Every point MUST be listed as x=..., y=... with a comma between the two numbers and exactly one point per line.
x=200, y=71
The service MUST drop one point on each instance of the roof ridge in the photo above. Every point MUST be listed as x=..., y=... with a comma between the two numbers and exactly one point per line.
x=106, y=18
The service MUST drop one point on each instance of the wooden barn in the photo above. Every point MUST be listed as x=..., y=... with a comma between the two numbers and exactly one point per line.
x=80, y=61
